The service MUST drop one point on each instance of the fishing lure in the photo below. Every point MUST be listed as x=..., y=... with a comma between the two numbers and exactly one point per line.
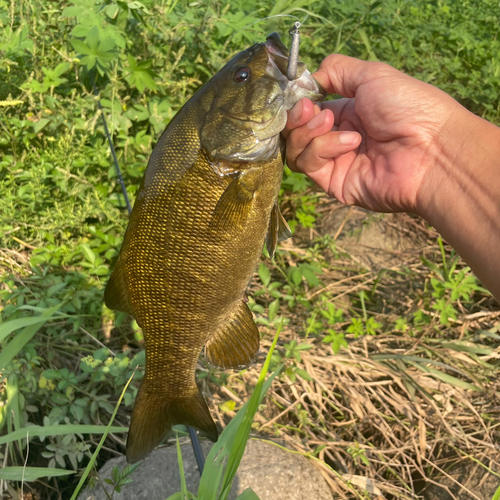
x=293, y=61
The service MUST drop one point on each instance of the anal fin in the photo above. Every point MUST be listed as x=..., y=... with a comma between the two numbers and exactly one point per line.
x=154, y=416
x=236, y=344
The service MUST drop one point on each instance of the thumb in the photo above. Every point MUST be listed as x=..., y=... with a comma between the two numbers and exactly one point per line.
x=343, y=75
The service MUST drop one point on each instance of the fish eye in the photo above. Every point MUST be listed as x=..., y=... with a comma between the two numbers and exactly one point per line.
x=242, y=74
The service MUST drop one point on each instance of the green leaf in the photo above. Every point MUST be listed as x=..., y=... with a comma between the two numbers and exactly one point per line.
x=89, y=61
x=112, y=11
x=295, y=275
x=93, y=39
x=61, y=68
x=273, y=309
x=264, y=274
x=80, y=47
x=303, y=374
x=37, y=126
x=13, y=409
x=72, y=11
x=140, y=75
x=57, y=430
x=31, y=473
x=449, y=379
x=106, y=45
x=248, y=494
x=21, y=339
x=337, y=340
x=240, y=439
x=310, y=276
x=89, y=254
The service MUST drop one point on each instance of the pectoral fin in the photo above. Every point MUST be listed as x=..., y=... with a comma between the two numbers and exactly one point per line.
x=234, y=205
x=236, y=344
x=278, y=230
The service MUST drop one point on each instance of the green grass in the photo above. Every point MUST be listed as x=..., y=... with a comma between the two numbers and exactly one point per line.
x=66, y=358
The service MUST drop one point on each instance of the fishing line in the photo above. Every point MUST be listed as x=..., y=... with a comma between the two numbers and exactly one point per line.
x=195, y=441
x=113, y=152
x=293, y=60
x=275, y=15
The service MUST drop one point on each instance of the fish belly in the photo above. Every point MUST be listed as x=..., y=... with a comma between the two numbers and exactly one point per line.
x=186, y=279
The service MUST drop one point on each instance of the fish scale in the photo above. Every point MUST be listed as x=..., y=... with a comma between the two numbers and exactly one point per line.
x=195, y=235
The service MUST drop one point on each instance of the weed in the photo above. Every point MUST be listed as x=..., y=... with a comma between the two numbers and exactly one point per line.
x=65, y=358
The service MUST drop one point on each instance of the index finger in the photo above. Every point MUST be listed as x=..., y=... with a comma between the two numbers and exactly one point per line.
x=300, y=114
x=305, y=109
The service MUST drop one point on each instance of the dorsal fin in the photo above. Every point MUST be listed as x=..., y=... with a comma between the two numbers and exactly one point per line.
x=116, y=294
x=236, y=344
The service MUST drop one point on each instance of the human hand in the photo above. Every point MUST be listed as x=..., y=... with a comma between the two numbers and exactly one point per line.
x=375, y=147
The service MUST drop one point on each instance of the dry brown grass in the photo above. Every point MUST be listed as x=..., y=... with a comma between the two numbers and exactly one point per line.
x=395, y=412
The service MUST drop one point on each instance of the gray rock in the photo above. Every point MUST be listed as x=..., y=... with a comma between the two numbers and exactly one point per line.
x=481, y=483
x=273, y=474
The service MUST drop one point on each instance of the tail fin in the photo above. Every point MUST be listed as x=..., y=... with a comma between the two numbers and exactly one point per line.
x=153, y=418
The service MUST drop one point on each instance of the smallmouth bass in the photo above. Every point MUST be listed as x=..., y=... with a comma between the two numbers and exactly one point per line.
x=207, y=203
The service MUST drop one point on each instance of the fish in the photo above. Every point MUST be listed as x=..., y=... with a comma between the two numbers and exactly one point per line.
x=205, y=207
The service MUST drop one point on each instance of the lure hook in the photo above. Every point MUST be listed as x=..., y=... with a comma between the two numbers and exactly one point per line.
x=293, y=60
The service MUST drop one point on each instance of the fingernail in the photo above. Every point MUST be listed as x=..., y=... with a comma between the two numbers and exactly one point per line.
x=316, y=121
x=348, y=138
x=296, y=112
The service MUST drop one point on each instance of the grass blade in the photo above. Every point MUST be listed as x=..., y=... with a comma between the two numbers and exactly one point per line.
x=21, y=339
x=101, y=442
x=9, y=326
x=13, y=409
x=57, y=430
x=184, y=493
x=446, y=378
x=241, y=438
x=31, y=473
x=248, y=494
x=232, y=441
x=496, y=496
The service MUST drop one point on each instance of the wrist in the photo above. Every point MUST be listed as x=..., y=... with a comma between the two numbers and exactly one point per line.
x=463, y=158
x=460, y=195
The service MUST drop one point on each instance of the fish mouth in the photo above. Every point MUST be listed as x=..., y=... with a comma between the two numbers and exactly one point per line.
x=275, y=46
x=304, y=84
x=289, y=93
x=264, y=129
x=254, y=130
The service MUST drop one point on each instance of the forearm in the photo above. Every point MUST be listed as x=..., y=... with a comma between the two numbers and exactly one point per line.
x=460, y=196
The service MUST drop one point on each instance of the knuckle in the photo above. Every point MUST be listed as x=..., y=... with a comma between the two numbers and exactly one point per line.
x=379, y=68
x=329, y=60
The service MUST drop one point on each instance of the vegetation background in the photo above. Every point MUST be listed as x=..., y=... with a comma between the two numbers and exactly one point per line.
x=391, y=366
